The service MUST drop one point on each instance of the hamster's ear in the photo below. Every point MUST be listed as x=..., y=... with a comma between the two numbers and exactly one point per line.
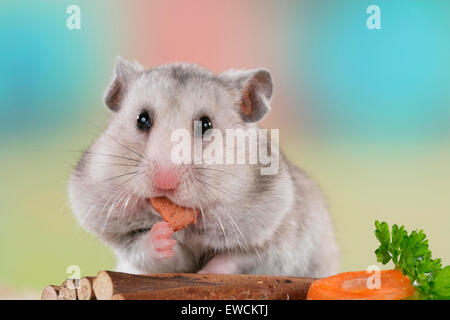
x=124, y=74
x=256, y=88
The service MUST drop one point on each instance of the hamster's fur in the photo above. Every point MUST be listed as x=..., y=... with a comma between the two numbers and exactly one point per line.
x=249, y=223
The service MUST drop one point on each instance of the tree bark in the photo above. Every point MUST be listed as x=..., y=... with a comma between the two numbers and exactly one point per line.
x=122, y=286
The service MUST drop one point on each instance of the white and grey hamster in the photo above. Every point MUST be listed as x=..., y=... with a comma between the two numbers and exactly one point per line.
x=249, y=223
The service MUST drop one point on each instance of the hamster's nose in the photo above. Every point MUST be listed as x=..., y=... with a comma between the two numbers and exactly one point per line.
x=166, y=178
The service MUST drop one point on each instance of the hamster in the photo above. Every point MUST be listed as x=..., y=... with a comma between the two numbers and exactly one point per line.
x=248, y=223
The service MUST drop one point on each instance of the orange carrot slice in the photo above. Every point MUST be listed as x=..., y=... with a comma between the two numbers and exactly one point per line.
x=177, y=217
x=353, y=286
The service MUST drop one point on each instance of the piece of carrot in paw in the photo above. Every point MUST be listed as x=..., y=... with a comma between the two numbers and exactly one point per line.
x=177, y=217
x=354, y=286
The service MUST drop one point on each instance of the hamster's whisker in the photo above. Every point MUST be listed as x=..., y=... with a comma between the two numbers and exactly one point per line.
x=191, y=203
x=126, y=147
x=202, y=211
x=131, y=178
x=239, y=231
x=112, y=208
x=219, y=220
x=137, y=197
x=204, y=223
x=125, y=205
x=113, y=156
x=209, y=186
x=116, y=164
x=115, y=194
x=236, y=235
x=246, y=243
x=222, y=171
x=221, y=226
x=66, y=204
x=123, y=175
x=117, y=141
x=210, y=176
x=197, y=205
x=90, y=152
x=203, y=217
x=98, y=202
x=119, y=197
x=246, y=247
x=222, y=191
x=83, y=220
x=202, y=243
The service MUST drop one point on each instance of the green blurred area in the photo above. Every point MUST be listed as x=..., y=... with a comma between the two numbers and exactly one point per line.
x=404, y=185
x=39, y=237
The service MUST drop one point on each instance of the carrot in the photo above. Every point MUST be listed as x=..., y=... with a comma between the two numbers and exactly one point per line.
x=353, y=286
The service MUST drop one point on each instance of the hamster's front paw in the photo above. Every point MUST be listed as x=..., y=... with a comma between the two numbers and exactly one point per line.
x=160, y=240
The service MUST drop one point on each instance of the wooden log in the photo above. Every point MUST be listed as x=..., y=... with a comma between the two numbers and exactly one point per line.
x=68, y=290
x=50, y=293
x=198, y=286
x=223, y=292
x=85, y=291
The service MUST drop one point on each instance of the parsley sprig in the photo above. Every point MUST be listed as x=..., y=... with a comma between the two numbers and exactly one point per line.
x=411, y=255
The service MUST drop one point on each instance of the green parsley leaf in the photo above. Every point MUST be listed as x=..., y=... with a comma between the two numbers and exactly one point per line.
x=442, y=282
x=411, y=255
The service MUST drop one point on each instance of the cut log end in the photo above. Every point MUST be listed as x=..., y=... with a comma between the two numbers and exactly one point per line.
x=67, y=294
x=50, y=293
x=103, y=286
x=68, y=290
x=85, y=290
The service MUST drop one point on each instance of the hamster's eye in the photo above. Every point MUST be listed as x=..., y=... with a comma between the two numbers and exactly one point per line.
x=205, y=124
x=143, y=121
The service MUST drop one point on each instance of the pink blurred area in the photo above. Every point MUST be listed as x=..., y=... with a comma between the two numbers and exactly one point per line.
x=218, y=35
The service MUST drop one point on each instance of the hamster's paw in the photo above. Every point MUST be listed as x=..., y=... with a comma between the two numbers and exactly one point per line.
x=161, y=240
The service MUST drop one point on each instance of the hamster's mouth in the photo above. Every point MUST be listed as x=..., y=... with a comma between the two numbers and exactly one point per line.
x=176, y=216
x=169, y=201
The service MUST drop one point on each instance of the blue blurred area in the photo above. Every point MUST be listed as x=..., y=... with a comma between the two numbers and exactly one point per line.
x=47, y=71
x=371, y=85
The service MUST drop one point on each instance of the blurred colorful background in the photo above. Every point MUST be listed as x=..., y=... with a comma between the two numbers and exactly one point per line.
x=365, y=112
